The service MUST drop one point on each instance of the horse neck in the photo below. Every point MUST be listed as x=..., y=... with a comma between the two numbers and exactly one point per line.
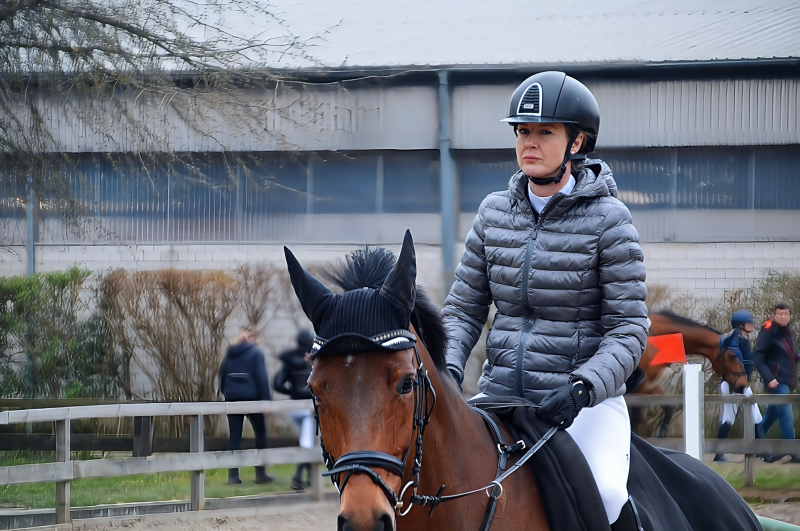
x=703, y=342
x=696, y=340
x=455, y=434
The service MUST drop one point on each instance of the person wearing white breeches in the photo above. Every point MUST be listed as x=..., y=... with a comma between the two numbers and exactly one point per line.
x=743, y=324
x=558, y=255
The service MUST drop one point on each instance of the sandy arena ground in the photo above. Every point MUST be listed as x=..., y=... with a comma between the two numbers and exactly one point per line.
x=306, y=517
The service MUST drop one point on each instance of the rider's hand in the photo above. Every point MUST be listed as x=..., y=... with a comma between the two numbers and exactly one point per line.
x=773, y=384
x=561, y=405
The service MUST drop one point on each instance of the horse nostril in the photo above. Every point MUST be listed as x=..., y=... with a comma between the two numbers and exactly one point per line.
x=384, y=523
x=342, y=524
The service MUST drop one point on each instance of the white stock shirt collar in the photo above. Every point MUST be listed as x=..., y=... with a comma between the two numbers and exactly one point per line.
x=538, y=203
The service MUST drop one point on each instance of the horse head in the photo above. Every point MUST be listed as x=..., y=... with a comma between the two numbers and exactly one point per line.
x=367, y=381
x=730, y=367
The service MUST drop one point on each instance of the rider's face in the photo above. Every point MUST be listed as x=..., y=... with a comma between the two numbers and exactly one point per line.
x=540, y=148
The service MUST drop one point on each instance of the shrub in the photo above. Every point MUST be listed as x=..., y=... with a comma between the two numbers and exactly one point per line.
x=48, y=347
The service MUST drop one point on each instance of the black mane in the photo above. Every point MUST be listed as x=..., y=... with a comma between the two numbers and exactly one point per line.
x=369, y=269
x=686, y=321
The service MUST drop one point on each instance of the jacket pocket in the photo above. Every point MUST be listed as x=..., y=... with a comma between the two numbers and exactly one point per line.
x=578, y=349
x=240, y=386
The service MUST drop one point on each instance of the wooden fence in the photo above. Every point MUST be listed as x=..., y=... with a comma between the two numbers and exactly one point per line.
x=196, y=461
x=694, y=441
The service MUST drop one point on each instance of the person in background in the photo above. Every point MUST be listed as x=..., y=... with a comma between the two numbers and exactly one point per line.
x=743, y=324
x=243, y=377
x=292, y=380
x=775, y=357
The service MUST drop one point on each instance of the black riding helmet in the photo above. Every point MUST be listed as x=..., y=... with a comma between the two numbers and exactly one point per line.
x=554, y=97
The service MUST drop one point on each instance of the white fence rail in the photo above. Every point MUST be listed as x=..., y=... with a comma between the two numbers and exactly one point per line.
x=64, y=470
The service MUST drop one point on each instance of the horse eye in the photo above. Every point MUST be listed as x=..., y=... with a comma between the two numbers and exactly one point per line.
x=405, y=386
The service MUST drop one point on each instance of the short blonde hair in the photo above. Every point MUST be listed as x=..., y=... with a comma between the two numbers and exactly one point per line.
x=245, y=334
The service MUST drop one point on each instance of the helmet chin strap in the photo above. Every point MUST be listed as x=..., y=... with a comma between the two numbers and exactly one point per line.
x=562, y=169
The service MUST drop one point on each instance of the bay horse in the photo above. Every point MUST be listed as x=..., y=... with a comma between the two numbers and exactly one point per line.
x=373, y=403
x=698, y=339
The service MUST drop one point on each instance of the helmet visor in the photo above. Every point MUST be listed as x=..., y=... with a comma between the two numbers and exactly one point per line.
x=536, y=120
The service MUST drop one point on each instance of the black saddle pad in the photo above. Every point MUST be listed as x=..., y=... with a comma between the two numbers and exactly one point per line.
x=672, y=491
x=569, y=494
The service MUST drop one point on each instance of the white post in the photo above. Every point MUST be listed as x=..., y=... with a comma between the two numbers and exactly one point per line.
x=196, y=444
x=693, y=410
x=62, y=487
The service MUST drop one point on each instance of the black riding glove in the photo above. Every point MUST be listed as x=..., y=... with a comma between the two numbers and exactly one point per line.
x=561, y=405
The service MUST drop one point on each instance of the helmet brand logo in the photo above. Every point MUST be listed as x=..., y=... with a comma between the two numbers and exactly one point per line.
x=530, y=104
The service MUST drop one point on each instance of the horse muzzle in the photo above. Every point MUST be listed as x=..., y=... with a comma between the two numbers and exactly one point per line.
x=364, y=507
x=381, y=522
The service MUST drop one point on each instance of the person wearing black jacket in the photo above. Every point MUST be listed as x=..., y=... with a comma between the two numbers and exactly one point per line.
x=775, y=357
x=243, y=377
x=292, y=380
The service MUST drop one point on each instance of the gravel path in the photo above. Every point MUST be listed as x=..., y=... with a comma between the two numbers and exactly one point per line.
x=300, y=517
x=295, y=517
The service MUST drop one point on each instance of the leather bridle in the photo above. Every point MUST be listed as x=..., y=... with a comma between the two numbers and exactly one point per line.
x=364, y=461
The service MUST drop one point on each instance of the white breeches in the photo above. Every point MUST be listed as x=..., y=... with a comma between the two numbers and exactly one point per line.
x=304, y=420
x=603, y=433
x=729, y=410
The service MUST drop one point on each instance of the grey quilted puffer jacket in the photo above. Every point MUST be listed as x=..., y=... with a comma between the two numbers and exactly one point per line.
x=568, y=288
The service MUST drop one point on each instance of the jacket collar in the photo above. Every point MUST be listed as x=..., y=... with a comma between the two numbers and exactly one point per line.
x=595, y=180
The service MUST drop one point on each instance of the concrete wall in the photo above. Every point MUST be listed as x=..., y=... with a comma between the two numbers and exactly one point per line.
x=699, y=269
x=704, y=269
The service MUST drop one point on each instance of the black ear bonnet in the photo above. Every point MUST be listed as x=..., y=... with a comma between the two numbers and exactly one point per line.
x=363, y=319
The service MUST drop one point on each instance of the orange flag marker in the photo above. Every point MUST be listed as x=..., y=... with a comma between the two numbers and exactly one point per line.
x=669, y=349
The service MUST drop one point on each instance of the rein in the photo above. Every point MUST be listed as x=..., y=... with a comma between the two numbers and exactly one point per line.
x=363, y=461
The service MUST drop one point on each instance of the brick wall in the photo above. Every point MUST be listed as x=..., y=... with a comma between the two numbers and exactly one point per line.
x=704, y=269
x=708, y=269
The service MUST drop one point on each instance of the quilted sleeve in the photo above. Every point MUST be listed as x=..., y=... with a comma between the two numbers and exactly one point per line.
x=624, y=313
x=467, y=306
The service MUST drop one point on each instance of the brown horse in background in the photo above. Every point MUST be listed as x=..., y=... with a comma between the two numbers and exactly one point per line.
x=366, y=402
x=698, y=339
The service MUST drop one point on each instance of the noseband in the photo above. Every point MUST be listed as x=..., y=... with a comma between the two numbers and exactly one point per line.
x=363, y=461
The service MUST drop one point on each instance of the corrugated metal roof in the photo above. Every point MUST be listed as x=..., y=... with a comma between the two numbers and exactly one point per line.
x=370, y=33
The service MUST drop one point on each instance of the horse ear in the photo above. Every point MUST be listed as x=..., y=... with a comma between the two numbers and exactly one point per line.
x=401, y=282
x=314, y=296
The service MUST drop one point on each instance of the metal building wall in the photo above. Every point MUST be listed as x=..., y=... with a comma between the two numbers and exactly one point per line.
x=652, y=114
x=282, y=116
x=356, y=115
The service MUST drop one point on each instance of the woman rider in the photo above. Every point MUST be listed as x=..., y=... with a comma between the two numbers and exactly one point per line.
x=560, y=259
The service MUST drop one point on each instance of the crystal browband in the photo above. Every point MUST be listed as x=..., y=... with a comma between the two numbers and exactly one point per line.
x=386, y=339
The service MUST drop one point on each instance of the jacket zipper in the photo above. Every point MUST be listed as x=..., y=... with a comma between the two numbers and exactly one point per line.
x=525, y=280
x=526, y=270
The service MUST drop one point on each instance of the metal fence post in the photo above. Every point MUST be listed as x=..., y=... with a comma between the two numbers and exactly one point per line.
x=62, y=487
x=198, y=476
x=749, y=435
x=693, y=410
